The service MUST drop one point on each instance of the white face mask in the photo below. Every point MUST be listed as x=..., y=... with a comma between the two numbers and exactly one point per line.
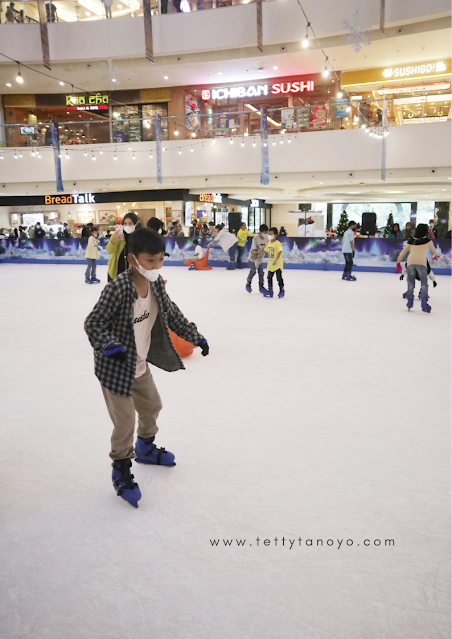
x=271, y=237
x=129, y=229
x=151, y=275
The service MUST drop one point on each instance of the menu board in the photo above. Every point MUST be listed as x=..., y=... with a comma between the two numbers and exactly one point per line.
x=223, y=122
x=287, y=118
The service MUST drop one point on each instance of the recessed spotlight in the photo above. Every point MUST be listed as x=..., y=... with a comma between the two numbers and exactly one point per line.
x=274, y=68
x=61, y=84
x=165, y=77
x=8, y=84
x=113, y=79
x=119, y=6
x=219, y=73
x=87, y=13
x=261, y=69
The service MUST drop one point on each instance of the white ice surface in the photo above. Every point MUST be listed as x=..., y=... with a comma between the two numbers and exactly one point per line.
x=324, y=415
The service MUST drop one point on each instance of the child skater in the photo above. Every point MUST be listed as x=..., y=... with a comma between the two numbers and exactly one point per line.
x=256, y=258
x=199, y=254
x=348, y=251
x=92, y=254
x=418, y=247
x=275, y=263
x=128, y=328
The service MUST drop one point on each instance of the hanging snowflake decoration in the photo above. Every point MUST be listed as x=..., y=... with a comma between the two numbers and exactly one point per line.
x=357, y=32
x=110, y=74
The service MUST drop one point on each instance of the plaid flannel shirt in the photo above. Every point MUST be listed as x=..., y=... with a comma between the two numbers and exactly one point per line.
x=110, y=323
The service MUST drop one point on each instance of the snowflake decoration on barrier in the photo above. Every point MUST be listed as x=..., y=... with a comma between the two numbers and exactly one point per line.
x=357, y=33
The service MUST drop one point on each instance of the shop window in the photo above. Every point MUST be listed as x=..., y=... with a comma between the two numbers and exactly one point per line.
x=137, y=123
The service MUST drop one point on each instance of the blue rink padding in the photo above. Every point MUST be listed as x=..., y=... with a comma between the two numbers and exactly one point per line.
x=377, y=255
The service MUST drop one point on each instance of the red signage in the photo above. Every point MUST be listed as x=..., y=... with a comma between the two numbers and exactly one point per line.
x=97, y=107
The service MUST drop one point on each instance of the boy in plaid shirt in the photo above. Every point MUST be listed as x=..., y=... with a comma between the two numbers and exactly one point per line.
x=127, y=328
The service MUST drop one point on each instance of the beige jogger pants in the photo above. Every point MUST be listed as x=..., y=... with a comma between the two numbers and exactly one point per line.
x=146, y=401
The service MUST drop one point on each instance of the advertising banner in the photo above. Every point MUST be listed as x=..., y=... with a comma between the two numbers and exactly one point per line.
x=303, y=114
x=57, y=155
x=192, y=117
x=44, y=35
x=259, y=26
x=158, y=146
x=287, y=118
x=210, y=118
x=383, y=141
x=265, y=173
x=148, y=41
x=371, y=254
x=318, y=117
x=223, y=122
x=340, y=106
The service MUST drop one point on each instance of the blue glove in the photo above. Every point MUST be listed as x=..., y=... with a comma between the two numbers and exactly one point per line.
x=204, y=347
x=116, y=352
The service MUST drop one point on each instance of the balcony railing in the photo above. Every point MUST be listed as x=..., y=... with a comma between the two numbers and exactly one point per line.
x=122, y=128
x=86, y=10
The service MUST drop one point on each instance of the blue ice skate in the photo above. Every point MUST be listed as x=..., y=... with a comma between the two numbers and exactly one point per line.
x=267, y=293
x=281, y=293
x=409, y=304
x=350, y=278
x=123, y=482
x=192, y=268
x=248, y=287
x=231, y=266
x=404, y=295
x=261, y=289
x=425, y=305
x=94, y=280
x=87, y=281
x=148, y=453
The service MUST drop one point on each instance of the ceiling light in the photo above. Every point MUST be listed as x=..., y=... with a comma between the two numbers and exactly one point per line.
x=176, y=132
x=19, y=77
x=8, y=84
x=348, y=109
x=305, y=42
x=219, y=73
x=133, y=203
x=364, y=126
x=339, y=95
x=261, y=69
x=117, y=206
x=113, y=79
x=165, y=77
x=119, y=6
x=87, y=13
x=61, y=84
x=116, y=114
x=274, y=68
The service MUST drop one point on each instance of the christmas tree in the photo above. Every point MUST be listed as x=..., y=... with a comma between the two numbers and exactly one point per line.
x=389, y=225
x=343, y=224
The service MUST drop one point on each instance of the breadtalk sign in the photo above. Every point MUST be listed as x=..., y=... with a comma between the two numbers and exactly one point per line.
x=73, y=198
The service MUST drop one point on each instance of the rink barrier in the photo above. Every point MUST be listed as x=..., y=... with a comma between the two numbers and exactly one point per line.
x=371, y=254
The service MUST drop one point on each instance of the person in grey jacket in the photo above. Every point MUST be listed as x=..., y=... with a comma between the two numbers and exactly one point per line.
x=256, y=258
x=127, y=328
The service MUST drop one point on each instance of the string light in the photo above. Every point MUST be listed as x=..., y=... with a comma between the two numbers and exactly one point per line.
x=191, y=149
x=133, y=156
x=231, y=141
x=339, y=95
x=67, y=156
x=1, y=156
x=15, y=156
x=254, y=142
x=274, y=142
x=305, y=43
x=243, y=143
x=281, y=141
x=85, y=153
x=101, y=152
x=19, y=77
x=180, y=152
x=130, y=148
x=93, y=156
x=150, y=156
x=325, y=71
x=213, y=141
x=33, y=154
x=288, y=140
x=115, y=158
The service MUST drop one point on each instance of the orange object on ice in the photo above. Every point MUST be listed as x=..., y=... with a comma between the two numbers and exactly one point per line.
x=200, y=265
x=184, y=348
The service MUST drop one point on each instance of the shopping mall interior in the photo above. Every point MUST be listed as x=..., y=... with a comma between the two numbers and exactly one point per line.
x=299, y=484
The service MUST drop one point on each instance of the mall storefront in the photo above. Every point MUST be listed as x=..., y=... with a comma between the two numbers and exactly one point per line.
x=108, y=209
x=417, y=93
x=94, y=118
x=295, y=103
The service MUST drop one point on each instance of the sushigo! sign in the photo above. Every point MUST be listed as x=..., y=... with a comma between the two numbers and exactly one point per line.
x=255, y=91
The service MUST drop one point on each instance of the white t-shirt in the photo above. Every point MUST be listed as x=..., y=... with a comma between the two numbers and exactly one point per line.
x=225, y=240
x=199, y=252
x=145, y=311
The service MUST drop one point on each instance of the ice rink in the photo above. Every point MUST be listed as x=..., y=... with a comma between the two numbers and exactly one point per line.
x=321, y=416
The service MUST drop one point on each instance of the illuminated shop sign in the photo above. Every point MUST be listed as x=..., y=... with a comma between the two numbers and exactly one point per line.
x=96, y=99
x=94, y=107
x=255, y=91
x=73, y=198
x=254, y=204
x=215, y=198
x=418, y=69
